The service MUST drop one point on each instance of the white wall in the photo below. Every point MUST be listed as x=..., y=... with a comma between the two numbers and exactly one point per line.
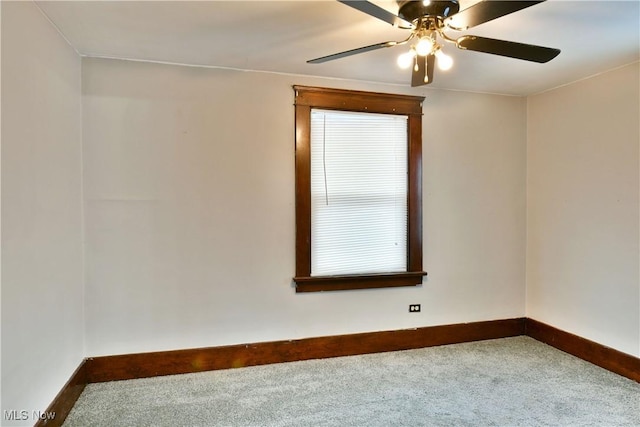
x=582, y=208
x=42, y=277
x=189, y=204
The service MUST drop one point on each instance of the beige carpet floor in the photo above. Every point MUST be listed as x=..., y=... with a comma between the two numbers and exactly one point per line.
x=507, y=382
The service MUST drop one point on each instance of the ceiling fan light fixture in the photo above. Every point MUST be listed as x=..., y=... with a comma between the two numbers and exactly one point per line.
x=445, y=62
x=424, y=46
x=405, y=60
x=427, y=21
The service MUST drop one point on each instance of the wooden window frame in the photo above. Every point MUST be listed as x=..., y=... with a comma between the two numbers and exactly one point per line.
x=306, y=98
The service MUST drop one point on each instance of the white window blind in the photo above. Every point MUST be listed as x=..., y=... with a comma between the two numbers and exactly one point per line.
x=358, y=193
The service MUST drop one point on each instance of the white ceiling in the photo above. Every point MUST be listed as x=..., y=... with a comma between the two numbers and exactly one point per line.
x=280, y=36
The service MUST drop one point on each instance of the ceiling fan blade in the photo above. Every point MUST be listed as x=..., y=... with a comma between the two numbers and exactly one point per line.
x=485, y=11
x=351, y=52
x=378, y=12
x=423, y=73
x=527, y=52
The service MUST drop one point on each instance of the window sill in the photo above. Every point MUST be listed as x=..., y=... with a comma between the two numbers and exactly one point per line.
x=348, y=282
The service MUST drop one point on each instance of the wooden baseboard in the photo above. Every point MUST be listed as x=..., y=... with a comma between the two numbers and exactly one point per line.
x=598, y=354
x=143, y=365
x=130, y=366
x=64, y=401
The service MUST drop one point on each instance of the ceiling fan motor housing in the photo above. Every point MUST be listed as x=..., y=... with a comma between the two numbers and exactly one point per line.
x=411, y=10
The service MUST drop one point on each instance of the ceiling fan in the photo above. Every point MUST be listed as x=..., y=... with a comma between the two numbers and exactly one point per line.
x=427, y=21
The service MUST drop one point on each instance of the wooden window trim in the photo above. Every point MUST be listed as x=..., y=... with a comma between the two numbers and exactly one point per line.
x=307, y=98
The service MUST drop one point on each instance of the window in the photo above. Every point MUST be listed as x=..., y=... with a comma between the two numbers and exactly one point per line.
x=358, y=193
x=358, y=190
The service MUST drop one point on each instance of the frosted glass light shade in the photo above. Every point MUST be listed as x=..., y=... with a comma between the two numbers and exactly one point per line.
x=445, y=62
x=406, y=59
x=424, y=46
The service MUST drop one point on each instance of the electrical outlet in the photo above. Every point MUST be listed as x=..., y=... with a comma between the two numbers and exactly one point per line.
x=414, y=308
